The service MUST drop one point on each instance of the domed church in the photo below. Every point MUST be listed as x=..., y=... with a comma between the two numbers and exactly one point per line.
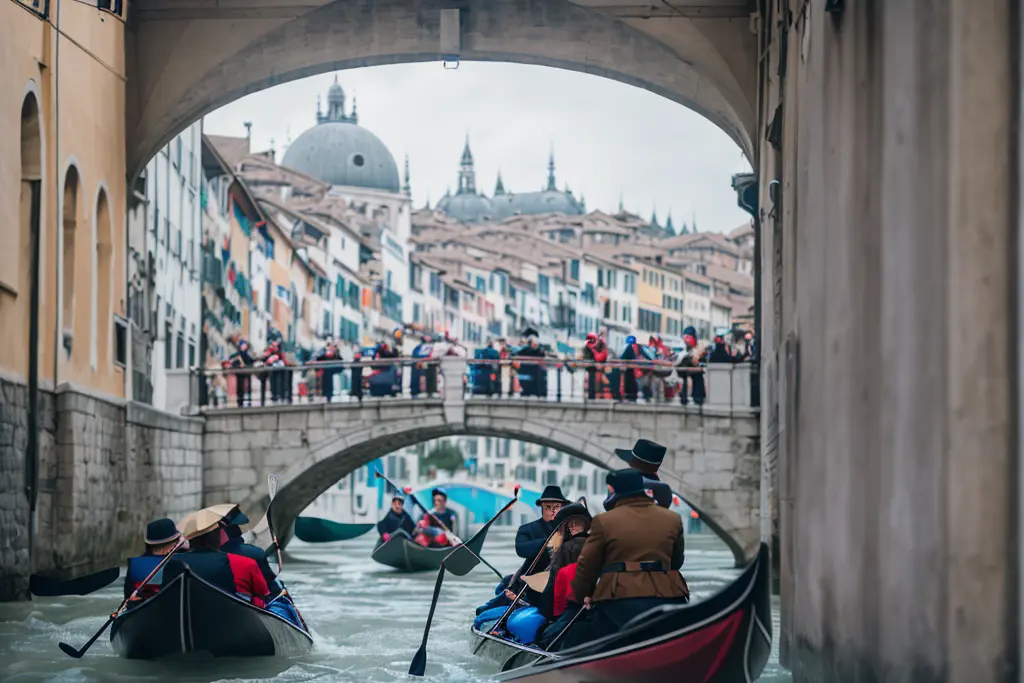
x=339, y=152
x=469, y=206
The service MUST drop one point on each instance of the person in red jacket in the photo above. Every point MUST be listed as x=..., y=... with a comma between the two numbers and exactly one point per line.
x=574, y=521
x=234, y=574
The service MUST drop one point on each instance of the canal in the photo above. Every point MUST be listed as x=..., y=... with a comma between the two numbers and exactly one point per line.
x=367, y=620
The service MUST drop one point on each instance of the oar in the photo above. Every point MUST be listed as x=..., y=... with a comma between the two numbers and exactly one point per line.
x=77, y=654
x=446, y=529
x=273, y=481
x=453, y=561
x=46, y=587
x=419, y=660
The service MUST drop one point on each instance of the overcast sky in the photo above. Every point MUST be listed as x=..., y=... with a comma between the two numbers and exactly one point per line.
x=609, y=139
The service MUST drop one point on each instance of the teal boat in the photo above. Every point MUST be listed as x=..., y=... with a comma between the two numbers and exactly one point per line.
x=317, y=530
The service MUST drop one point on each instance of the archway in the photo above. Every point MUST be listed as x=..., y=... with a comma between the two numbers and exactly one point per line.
x=707, y=64
x=69, y=265
x=103, y=285
x=305, y=478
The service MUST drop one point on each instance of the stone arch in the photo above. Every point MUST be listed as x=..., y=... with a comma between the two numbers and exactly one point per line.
x=103, y=280
x=699, y=67
x=70, y=241
x=320, y=466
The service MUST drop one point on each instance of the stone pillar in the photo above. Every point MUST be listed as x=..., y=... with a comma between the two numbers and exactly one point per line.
x=896, y=200
x=453, y=370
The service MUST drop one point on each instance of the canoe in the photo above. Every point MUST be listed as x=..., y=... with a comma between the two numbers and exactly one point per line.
x=403, y=554
x=317, y=530
x=190, y=617
x=719, y=640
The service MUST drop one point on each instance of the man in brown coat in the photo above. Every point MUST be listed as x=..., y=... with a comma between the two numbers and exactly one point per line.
x=630, y=562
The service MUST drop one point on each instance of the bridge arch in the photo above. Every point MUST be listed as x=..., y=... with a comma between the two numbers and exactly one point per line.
x=312, y=448
x=188, y=62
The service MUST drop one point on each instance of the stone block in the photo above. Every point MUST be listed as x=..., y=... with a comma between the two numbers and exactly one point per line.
x=265, y=422
x=292, y=438
x=223, y=424
x=242, y=477
x=240, y=459
x=292, y=420
x=716, y=461
x=215, y=478
x=719, y=442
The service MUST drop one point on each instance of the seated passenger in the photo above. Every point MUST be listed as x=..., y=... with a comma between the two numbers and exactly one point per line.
x=231, y=542
x=564, y=606
x=397, y=519
x=161, y=537
x=431, y=534
x=233, y=574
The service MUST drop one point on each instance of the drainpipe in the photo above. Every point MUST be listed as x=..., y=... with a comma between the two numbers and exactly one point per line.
x=32, y=449
x=1019, y=393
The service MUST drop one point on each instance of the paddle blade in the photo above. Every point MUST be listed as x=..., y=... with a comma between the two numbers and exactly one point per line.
x=45, y=587
x=419, y=662
x=70, y=651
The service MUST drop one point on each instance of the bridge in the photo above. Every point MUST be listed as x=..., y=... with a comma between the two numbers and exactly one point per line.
x=713, y=459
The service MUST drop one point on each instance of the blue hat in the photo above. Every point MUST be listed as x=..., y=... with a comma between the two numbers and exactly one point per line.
x=691, y=330
x=625, y=484
x=645, y=456
x=161, y=531
x=631, y=339
x=235, y=518
x=439, y=492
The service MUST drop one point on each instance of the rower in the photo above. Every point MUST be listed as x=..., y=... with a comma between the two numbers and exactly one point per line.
x=630, y=562
x=161, y=537
x=233, y=574
x=646, y=457
x=231, y=542
x=431, y=532
x=397, y=519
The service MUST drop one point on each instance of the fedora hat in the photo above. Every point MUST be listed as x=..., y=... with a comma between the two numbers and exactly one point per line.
x=573, y=510
x=552, y=494
x=645, y=456
x=624, y=484
x=161, y=531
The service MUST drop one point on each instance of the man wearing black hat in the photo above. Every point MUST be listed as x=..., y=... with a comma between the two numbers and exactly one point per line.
x=631, y=560
x=161, y=537
x=231, y=542
x=646, y=457
x=397, y=519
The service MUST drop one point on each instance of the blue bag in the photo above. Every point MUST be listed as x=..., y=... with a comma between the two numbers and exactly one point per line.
x=525, y=623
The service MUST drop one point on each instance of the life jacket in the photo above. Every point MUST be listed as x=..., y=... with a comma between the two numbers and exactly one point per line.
x=138, y=569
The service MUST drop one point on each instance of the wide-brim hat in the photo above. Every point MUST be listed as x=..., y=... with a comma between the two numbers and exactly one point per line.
x=645, y=456
x=205, y=520
x=625, y=483
x=161, y=531
x=573, y=510
x=552, y=494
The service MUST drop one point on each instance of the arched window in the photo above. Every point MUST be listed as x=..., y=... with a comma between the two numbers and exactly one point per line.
x=15, y=272
x=69, y=217
x=104, y=278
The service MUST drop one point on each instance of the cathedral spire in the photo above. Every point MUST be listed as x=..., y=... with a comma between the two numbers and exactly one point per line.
x=407, y=186
x=467, y=174
x=669, y=228
x=499, y=186
x=335, y=106
x=654, y=218
x=693, y=223
x=621, y=208
x=551, y=171
x=355, y=113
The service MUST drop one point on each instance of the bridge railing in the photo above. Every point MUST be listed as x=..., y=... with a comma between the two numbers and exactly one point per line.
x=722, y=385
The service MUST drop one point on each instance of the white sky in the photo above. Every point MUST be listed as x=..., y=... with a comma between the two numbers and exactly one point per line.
x=610, y=139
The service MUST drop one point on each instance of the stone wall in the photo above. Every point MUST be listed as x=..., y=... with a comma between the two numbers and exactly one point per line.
x=106, y=469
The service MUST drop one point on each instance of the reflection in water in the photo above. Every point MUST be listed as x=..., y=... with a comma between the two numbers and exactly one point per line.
x=367, y=621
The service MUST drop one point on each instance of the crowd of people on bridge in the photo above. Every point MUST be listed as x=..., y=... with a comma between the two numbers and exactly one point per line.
x=651, y=371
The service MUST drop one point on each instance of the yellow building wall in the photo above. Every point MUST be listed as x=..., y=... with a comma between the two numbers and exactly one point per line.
x=239, y=251
x=89, y=78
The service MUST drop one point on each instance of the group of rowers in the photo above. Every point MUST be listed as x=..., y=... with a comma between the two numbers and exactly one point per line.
x=436, y=529
x=217, y=555
x=594, y=574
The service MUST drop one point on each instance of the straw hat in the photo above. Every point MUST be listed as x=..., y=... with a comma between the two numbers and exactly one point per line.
x=207, y=519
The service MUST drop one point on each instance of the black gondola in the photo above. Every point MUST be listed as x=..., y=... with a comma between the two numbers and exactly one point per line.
x=722, y=639
x=189, y=616
x=404, y=554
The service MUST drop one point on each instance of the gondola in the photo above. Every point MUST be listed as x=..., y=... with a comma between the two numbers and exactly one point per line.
x=190, y=617
x=404, y=554
x=722, y=639
x=317, y=530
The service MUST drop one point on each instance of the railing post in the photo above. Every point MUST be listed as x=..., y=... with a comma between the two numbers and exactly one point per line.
x=558, y=382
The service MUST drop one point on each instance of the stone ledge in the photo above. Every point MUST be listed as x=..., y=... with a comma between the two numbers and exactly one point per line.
x=377, y=404
x=147, y=416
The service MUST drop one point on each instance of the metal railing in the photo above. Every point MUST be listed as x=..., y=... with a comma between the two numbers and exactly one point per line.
x=724, y=385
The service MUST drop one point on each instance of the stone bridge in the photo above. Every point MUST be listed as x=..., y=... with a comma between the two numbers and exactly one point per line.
x=713, y=458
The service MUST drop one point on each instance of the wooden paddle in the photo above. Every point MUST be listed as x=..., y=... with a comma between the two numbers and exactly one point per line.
x=77, y=653
x=273, y=482
x=419, y=660
x=46, y=587
x=449, y=531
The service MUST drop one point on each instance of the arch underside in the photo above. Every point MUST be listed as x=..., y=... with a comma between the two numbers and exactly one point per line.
x=187, y=67
x=303, y=480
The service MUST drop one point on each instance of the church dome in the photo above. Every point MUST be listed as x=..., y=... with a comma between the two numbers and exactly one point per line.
x=545, y=201
x=340, y=152
x=466, y=207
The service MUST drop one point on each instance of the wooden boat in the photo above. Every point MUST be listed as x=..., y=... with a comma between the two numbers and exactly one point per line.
x=317, y=530
x=722, y=639
x=191, y=617
x=404, y=554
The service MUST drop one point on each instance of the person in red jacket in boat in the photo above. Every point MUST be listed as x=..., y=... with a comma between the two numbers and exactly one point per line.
x=437, y=528
x=234, y=574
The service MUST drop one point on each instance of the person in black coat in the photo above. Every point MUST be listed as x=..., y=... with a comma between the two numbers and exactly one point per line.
x=397, y=519
x=236, y=546
x=646, y=457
